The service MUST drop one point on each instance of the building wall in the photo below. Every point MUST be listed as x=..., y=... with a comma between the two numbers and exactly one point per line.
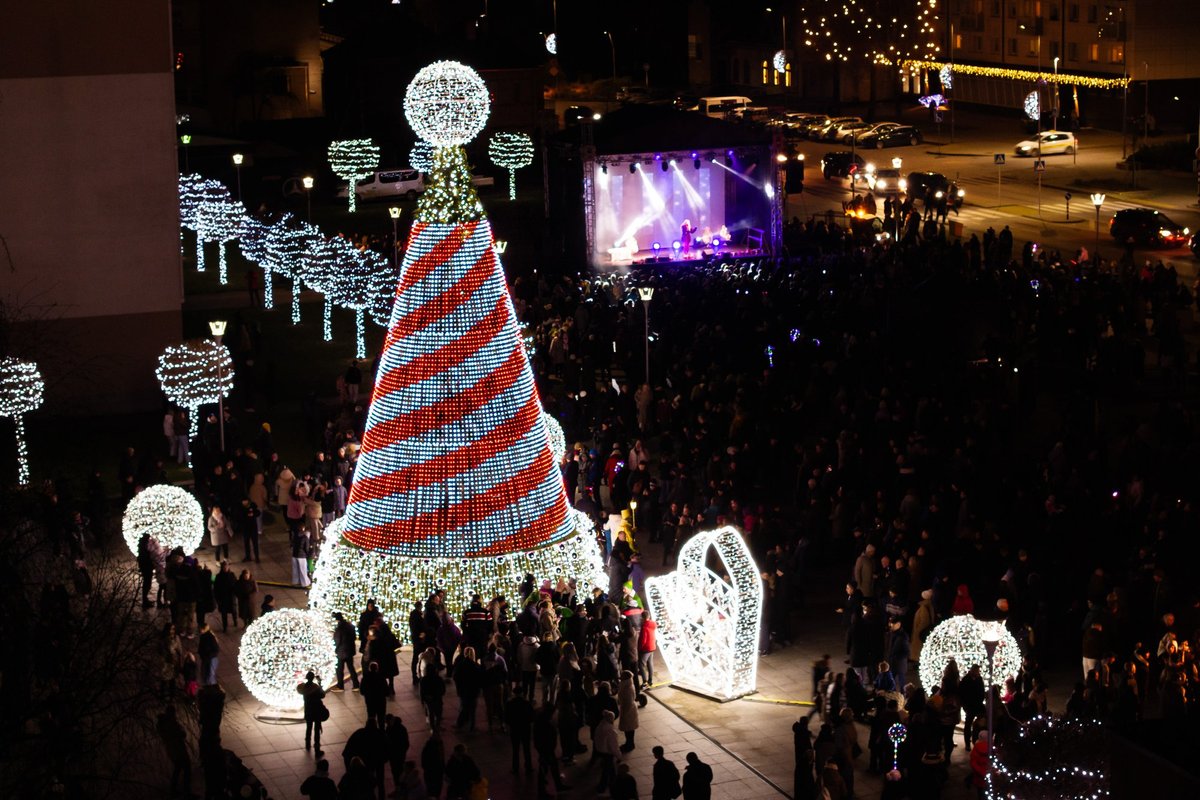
x=90, y=218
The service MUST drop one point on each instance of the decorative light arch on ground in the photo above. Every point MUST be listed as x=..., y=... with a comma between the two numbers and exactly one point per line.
x=352, y=160
x=171, y=516
x=279, y=649
x=512, y=151
x=961, y=638
x=21, y=391
x=709, y=622
x=194, y=373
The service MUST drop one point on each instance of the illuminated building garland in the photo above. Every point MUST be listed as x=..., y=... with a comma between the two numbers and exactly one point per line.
x=512, y=151
x=279, y=649
x=456, y=486
x=194, y=373
x=21, y=391
x=709, y=625
x=446, y=103
x=219, y=219
x=1029, y=75
x=420, y=157
x=1052, y=758
x=961, y=638
x=171, y=516
x=352, y=160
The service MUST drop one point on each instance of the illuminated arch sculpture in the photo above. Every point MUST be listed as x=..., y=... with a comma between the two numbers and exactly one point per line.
x=708, y=623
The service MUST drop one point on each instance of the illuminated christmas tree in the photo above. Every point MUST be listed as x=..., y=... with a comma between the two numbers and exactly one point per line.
x=512, y=151
x=456, y=486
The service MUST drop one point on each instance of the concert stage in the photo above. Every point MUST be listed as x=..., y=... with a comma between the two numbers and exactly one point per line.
x=676, y=258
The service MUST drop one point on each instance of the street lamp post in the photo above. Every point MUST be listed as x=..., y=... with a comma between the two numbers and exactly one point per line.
x=1056, y=93
x=394, y=213
x=991, y=639
x=217, y=327
x=186, y=139
x=613, y=47
x=646, y=293
x=308, y=185
x=1097, y=201
x=238, y=158
x=633, y=513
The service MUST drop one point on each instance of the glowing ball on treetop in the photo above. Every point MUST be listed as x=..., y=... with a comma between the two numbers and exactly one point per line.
x=170, y=515
x=456, y=486
x=961, y=638
x=511, y=151
x=21, y=391
x=279, y=649
x=447, y=103
x=352, y=160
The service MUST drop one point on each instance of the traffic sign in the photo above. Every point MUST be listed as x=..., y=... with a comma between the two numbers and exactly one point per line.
x=998, y=159
x=1039, y=166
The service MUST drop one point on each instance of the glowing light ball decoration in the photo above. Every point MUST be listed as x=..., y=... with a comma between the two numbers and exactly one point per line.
x=447, y=103
x=420, y=157
x=171, y=516
x=961, y=638
x=456, y=486
x=512, y=151
x=21, y=391
x=352, y=160
x=194, y=373
x=779, y=61
x=709, y=625
x=946, y=76
x=219, y=219
x=1033, y=105
x=897, y=733
x=552, y=44
x=558, y=440
x=279, y=649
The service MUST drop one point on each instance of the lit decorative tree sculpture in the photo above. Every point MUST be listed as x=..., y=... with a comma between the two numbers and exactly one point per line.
x=209, y=195
x=456, y=487
x=219, y=219
x=364, y=278
x=252, y=241
x=352, y=160
x=961, y=638
x=285, y=247
x=512, y=151
x=191, y=194
x=171, y=516
x=21, y=391
x=324, y=260
x=708, y=624
x=420, y=157
x=279, y=649
x=194, y=373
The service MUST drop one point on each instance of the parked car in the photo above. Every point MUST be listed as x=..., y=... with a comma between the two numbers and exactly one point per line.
x=387, y=183
x=1049, y=143
x=840, y=164
x=875, y=127
x=846, y=133
x=830, y=132
x=891, y=136
x=1147, y=227
x=812, y=129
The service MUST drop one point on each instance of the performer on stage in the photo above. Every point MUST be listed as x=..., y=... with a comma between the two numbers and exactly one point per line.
x=685, y=236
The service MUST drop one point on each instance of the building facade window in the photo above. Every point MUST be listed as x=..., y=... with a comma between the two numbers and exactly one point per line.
x=1094, y=52
x=1092, y=14
x=1072, y=51
x=1012, y=46
x=1073, y=12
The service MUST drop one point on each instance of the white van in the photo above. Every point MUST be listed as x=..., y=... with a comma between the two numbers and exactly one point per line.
x=723, y=107
x=388, y=183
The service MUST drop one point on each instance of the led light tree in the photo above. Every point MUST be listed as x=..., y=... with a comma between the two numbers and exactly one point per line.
x=709, y=624
x=352, y=160
x=285, y=247
x=420, y=157
x=172, y=517
x=456, y=486
x=191, y=195
x=219, y=219
x=211, y=193
x=194, y=373
x=364, y=279
x=252, y=241
x=279, y=649
x=961, y=638
x=512, y=151
x=21, y=391
x=324, y=260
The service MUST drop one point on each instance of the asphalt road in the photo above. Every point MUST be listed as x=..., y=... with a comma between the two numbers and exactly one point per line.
x=1010, y=194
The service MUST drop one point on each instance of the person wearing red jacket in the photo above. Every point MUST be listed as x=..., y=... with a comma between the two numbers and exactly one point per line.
x=647, y=644
x=981, y=763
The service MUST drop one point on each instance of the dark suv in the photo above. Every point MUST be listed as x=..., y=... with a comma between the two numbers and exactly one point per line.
x=841, y=164
x=1146, y=227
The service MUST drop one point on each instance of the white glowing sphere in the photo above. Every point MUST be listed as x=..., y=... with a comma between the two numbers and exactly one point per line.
x=278, y=649
x=558, y=440
x=961, y=638
x=447, y=103
x=552, y=44
x=779, y=61
x=171, y=516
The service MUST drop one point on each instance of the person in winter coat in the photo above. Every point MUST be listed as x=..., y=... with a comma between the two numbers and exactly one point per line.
x=864, y=571
x=846, y=748
x=245, y=591
x=697, y=779
x=898, y=649
x=980, y=763
x=374, y=692
x=224, y=592
x=831, y=782
x=219, y=532
x=345, y=648
x=922, y=624
x=301, y=552
x=258, y=494
x=468, y=681
x=666, y=777
x=283, y=486
x=963, y=604
x=627, y=704
x=433, y=764
x=605, y=748
x=461, y=774
x=866, y=641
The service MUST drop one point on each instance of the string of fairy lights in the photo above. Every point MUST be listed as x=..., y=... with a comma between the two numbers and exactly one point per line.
x=880, y=34
x=21, y=391
x=1052, y=757
x=1007, y=73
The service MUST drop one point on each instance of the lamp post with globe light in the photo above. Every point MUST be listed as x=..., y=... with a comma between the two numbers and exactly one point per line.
x=646, y=293
x=991, y=639
x=1097, y=201
x=238, y=158
x=394, y=213
x=217, y=327
x=308, y=185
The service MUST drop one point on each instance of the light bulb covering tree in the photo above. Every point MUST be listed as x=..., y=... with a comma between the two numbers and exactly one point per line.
x=285, y=248
x=352, y=160
x=194, y=373
x=220, y=220
x=512, y=151
x=420, y=157
x=21, y=391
